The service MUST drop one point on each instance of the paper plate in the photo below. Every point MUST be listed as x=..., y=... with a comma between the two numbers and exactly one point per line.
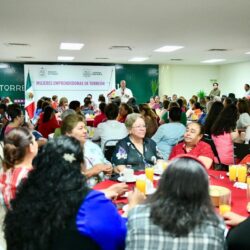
x=121, y=179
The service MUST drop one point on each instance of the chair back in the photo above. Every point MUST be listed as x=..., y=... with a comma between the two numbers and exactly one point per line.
x=109, y=148
x=240, y=151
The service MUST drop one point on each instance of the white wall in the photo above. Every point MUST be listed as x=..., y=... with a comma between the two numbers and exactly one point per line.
x=232, y=78
x=187, y=80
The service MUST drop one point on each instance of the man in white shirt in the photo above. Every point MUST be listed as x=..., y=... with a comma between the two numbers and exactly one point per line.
x=247, y=89
x=123, y=92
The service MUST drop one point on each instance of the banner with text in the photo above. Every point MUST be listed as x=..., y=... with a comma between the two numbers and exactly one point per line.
x=71, y=81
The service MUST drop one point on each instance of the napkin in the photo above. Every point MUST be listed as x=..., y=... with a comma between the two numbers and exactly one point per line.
x=240, y=185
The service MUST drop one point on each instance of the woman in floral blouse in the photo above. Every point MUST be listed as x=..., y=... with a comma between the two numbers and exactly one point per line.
x=135, y=149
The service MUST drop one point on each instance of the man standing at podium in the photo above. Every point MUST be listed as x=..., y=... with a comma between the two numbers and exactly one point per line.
x=123, y=92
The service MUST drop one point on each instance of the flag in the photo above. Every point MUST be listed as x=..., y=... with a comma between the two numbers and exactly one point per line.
x=29, y=98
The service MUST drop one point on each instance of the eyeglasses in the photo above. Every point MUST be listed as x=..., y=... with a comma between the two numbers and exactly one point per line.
x=139, y=126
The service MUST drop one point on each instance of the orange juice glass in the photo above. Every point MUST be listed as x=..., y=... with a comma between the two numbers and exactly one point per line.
x=242, y=173
x=141, y=185
x=232, y=172
x=225, y=203
x=149, y=173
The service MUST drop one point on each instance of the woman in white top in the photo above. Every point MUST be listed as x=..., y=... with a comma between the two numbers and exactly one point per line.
x=243, y=123
x=96, y=165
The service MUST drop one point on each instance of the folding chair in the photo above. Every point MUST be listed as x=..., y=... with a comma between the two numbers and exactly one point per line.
x=109, y=147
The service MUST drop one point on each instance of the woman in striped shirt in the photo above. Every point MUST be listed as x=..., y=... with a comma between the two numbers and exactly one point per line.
x=19, y=150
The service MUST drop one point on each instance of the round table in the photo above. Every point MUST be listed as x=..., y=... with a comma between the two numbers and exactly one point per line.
x=219, y=178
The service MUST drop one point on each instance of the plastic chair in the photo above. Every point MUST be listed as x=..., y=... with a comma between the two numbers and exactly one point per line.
x=109, y=147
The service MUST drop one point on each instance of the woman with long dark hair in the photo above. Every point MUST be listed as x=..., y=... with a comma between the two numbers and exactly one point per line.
x=15, y=116
x=211, y=116
x=224, y=133
x=55, y=210
x=47, y=122
x=179, y=215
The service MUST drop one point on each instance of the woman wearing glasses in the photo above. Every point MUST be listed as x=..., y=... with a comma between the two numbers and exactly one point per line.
x=135, y=149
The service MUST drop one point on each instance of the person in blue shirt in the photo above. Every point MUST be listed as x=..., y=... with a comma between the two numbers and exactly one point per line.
x=169, y=134
x=54, y=208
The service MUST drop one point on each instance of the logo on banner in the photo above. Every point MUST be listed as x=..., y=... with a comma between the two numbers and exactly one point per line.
x=42, y=72
x=87, y=73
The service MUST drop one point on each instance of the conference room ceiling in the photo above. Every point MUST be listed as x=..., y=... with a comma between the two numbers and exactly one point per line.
x=142, y=25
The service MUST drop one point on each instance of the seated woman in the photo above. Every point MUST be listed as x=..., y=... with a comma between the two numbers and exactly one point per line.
x=165, y=118
x=243, y=123
x=19, y=150
x=55, y=210
x=223, y=134
x=170, y=134
x=87, y=108
x=110, y=129
x=135, y=149
x=47, y=122
x=96, y=166
x=191, y=108
x=150, y=118
x=192, y=145
x=63, y=105
x=100, y=117
x=213, y=113
x=124, y=110
x=16, y=118
x=179, y=215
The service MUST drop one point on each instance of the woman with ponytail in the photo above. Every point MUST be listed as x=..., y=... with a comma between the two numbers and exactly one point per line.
x=19, y=150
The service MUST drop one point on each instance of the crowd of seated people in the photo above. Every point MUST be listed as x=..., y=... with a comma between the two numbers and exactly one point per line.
x=167, y=130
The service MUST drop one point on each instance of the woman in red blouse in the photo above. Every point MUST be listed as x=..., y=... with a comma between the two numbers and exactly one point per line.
x=47, y=122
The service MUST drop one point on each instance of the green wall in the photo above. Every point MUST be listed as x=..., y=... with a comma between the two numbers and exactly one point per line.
x=138, y=78
x=12, y=82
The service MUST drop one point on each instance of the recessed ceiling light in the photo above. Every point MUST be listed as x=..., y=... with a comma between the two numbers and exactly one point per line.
x=168, y=48
x=102, y=58
x=65, y=58
x=4, y=65
x=213, y=60
x=120, y=47
x=138, y=59
x=176, y=59
x=247, y=53
x=25, y=57
x=17, y=44
x=218, y=50
x=71, y=46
